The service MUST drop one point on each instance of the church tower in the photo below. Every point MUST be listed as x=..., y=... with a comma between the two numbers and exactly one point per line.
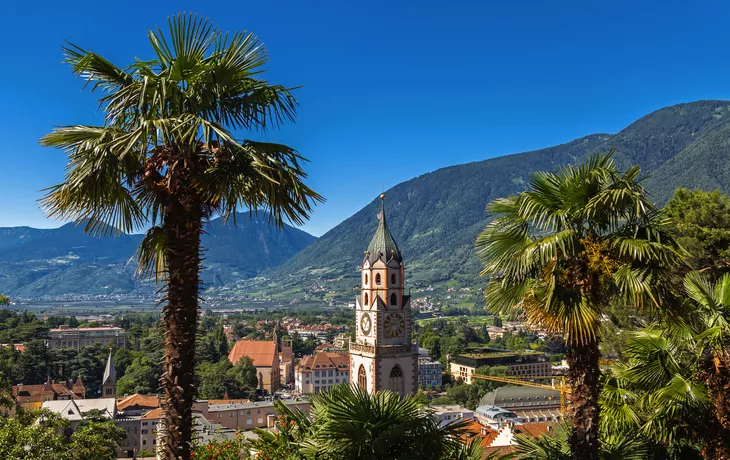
x=383, y=356
x=109, y=381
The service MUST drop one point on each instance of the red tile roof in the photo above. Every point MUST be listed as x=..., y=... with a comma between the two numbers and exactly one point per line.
x=534, y=429
x=34, y=393
x=141, y=401
x=325, y=360
x=262, y=352
x=154, y=414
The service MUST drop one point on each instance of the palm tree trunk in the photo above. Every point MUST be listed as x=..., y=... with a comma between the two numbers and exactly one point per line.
x=182, y=230
x=717, y=378
x=583, y=381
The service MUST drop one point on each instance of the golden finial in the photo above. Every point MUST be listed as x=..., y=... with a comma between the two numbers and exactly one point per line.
x=382, y=196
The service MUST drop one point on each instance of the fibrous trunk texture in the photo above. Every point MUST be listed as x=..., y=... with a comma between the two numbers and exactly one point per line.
x=583, y=381
x=182, y=230
x=717, y=377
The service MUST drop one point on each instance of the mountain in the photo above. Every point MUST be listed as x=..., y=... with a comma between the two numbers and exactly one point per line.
x=436, y=217
x=65, y=261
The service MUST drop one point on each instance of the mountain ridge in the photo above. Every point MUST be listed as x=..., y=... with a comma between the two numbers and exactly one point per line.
x=435, y=217
x=66, y=261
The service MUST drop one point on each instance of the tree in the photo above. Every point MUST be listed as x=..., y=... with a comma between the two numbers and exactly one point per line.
x=4, y=300
x=220, y=341
x=701, y=224
x=40, y=435
x=561, y=251
x=555, y=446
x=242, y=379
x=140, y=377
x=711, y=306
x=97, y=440
x=166, y=160
x=347, y=422
x=212, y=379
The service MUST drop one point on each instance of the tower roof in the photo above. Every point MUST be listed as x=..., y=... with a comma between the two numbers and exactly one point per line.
x=110, y=375
x=383, y=245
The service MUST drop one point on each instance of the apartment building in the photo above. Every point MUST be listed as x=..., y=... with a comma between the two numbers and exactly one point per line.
x=74, y=337
x=518, y=364
x=322, y=371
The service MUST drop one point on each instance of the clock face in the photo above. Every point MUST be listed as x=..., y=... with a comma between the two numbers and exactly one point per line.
x=395, y=325
x=365, y=323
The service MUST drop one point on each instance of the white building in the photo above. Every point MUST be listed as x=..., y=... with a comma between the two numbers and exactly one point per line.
x=322, y=371
x=450, y=413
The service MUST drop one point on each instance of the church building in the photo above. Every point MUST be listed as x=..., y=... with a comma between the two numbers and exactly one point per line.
x=383, y=357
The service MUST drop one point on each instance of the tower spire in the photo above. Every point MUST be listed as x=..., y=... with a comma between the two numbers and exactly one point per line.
x=109, y=381
x=383, y=246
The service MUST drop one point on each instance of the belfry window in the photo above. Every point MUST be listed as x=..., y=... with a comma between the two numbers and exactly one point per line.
x=397, y=383
x=362, y=378
x=367, y=299
x=393, y=299
x=377, y=279
x=392, y=278
x=366, y=279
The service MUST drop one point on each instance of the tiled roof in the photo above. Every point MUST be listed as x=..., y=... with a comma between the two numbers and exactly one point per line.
x=213, y=402
x=33, y=393
x=139, y=400
x=383, y=246
x=534, y=429
x=262, y=352
x=154, y=414
x=325, y=360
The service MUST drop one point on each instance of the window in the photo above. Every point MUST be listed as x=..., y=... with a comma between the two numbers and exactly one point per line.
x=392, y=278
x=366, y=279
x=393, y=299
x=367, y=302
x=377, y=279
x=249, y=422
x=362, y=378
x=397, y=383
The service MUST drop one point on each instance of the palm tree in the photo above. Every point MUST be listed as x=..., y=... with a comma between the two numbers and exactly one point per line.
x=349, y=423
x=654, y=392
x=561, y=251
x=166, y=159
x=711, y=306
x=555, y=446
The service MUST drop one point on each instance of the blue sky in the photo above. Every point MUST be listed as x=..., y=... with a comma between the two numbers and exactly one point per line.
x=416, y=85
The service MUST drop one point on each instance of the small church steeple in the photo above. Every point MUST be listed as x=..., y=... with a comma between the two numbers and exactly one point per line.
x=109, y=381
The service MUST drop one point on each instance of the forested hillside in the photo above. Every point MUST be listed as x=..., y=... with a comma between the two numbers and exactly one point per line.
x=436, y=217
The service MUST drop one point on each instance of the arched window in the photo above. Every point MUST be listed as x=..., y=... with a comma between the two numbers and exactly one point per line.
x=397, y=383
x=366, y=279
x=367, y=299
x=377, y=279
x=261, y=381
x=362, y=378
x=393, y=299
x=392, y=278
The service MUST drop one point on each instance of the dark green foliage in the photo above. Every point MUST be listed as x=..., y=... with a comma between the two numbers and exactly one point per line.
x=702, y=225
x=141, y=376
x=215, y=379
x=22, y=438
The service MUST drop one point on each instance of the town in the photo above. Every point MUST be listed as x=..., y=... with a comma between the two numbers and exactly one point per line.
x=365, y=231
